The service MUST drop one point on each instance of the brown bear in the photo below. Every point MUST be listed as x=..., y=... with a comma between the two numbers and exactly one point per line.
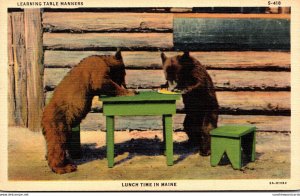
x=72, y=100
x=184, y=73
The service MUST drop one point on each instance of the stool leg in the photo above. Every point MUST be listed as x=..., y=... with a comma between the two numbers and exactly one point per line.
x=248, y=145
x=234, y=152
x=169, y=138
x=217, y=151
x=74, y=143
x=110, y=126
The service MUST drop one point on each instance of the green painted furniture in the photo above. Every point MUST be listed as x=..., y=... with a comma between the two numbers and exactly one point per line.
x=148, y=103
x=74, y=143
x=234, y=140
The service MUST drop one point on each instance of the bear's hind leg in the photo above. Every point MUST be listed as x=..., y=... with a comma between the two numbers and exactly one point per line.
x=205, y=143
x=56, y=146
x=192, y=125
x=209, y=123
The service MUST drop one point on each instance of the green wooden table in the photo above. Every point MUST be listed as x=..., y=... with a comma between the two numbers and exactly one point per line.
x=148, y=103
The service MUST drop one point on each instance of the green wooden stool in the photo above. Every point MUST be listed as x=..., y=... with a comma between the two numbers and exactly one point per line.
x=232, y=140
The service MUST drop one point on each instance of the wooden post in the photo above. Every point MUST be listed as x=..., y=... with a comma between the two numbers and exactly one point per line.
x=19, y=59
x=35, y=68
x=11, y=75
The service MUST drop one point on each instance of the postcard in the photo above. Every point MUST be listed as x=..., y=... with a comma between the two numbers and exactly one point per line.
x=149, y=96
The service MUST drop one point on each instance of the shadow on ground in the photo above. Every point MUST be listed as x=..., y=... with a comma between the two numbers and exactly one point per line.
x=144, y=147
x=135, y=147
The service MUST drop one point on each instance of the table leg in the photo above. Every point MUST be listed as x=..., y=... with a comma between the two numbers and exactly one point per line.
x=169, y=138
x=253, y=153
x=110, y=126
x=164, y=137
x=74, y=143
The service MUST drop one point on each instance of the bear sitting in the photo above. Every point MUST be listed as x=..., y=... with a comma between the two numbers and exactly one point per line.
x=186, y=74
x=72, y=100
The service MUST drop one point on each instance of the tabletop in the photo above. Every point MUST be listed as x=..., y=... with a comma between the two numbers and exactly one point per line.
x=233, y=130
x=142, y=96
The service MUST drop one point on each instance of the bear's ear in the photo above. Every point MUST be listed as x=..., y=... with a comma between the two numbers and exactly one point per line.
x=118, y=54
x=186, y=54
x=163, y=57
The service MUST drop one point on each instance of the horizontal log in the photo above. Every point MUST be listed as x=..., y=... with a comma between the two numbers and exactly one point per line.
x=231, y=34
x=223, y=79
x=271, y=102
x=122, y=9
x=108, y=41
x=231, y=10
x=267, y=61
x=107, y=22
x=181, y=9
x=262, y=123
x=187, y=10
x=232, y=16
x=253, y=103
x=96, y=121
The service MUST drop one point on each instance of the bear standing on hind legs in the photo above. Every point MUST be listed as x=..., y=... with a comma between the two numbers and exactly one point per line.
x=72, y=100
x=186, y=74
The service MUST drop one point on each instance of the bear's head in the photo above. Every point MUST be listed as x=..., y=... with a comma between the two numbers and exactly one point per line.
x=117, y=69
x=172, y=67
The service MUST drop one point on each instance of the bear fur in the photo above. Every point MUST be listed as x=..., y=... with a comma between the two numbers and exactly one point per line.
x=72, y=100
x=186, y=74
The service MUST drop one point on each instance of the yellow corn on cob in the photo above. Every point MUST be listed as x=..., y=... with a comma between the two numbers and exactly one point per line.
x=165, y=91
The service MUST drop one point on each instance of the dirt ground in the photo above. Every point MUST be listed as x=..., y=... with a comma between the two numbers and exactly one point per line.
x=139, y=157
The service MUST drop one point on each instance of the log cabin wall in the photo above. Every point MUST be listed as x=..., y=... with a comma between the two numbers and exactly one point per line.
x=25, y=69
x=252, y=86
